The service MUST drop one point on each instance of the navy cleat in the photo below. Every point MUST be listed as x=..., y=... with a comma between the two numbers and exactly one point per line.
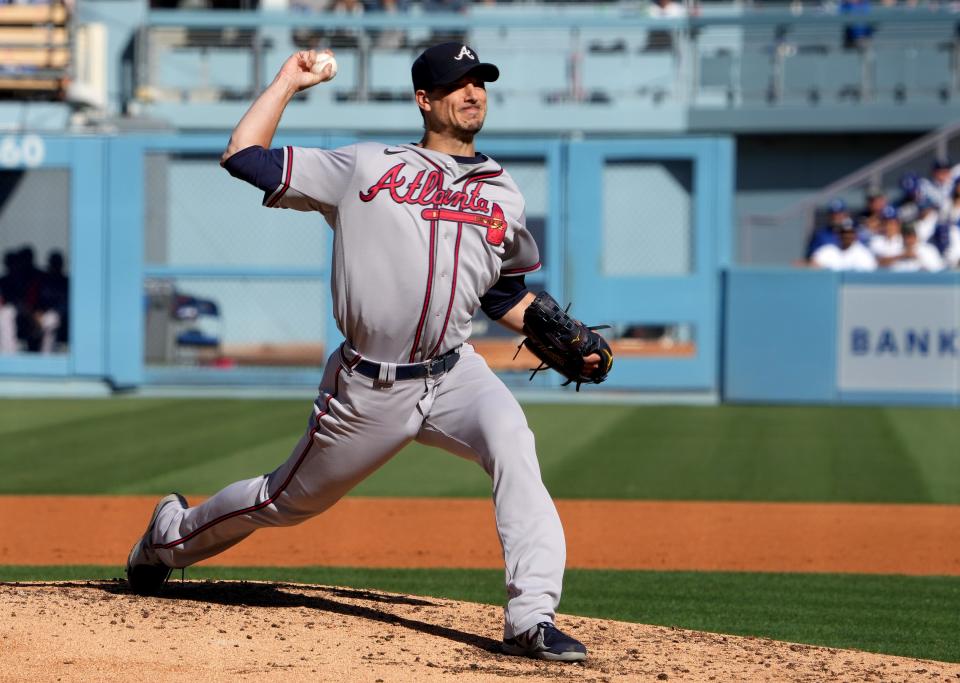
x=146, y=574
x=546, y=641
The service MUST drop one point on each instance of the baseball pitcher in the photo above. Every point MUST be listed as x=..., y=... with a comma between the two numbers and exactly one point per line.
x=424, y=234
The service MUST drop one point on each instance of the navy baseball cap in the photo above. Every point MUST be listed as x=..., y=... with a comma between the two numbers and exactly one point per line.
x=447, y=63
x=909, y=182
x=888, y=212
x=837, y=206
x=941, y=164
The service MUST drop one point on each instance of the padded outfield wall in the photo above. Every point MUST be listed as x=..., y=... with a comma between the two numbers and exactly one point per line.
x=172, y=262
x=823, y=337
x=638, y=234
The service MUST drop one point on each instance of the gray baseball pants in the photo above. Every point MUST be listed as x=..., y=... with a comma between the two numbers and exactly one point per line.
x=357, y=427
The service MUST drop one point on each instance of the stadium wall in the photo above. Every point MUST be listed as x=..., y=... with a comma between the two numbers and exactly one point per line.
x=772, y=335
x=827, y=337
x=153, y=216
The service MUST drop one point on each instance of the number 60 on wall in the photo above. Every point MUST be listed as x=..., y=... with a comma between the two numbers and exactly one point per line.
x=17, y=151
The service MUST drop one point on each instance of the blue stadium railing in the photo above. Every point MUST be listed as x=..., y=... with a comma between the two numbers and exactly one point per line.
x=598, y=69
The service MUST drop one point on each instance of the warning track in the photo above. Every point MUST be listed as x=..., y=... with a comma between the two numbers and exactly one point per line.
x=460, y=533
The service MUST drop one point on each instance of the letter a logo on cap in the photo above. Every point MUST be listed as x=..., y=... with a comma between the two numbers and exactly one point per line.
x=464, y=52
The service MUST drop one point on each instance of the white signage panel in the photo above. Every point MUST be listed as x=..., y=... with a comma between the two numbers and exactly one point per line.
x=899, y=338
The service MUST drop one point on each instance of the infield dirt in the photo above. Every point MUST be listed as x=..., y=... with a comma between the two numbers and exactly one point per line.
x=235, y=630
x=218, y=631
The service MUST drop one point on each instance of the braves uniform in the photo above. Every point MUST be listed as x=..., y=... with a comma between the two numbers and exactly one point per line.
x=419, y=238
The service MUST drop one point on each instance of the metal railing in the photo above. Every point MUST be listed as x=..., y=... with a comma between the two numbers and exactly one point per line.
x=724, y=57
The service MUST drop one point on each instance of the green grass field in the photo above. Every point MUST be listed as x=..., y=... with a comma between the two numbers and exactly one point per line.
x=848, y=454
x=893, y=455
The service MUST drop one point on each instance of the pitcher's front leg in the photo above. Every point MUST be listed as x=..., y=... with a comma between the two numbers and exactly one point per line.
x=477, y=417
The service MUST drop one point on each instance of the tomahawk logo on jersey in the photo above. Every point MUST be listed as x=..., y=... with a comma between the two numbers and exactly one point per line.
x=455, y=227
x=470, y=206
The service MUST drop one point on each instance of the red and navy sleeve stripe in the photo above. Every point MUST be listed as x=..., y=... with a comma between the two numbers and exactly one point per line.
x=520, y=271
x=278, y=193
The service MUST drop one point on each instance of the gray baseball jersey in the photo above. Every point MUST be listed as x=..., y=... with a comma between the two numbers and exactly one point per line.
x=419, y=238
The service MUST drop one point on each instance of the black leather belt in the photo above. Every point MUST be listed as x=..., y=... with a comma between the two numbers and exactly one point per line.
x=430, y=368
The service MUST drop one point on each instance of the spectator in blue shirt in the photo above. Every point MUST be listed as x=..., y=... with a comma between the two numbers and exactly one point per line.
x=837, y=216
x=909, y=201
x=870, y=219
x=856, y=36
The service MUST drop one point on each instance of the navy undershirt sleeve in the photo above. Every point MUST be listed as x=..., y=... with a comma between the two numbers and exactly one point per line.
x=504, y=295
x=260, y=167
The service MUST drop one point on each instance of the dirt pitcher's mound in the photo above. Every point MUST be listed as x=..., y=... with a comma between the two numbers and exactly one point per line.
x=228, y=630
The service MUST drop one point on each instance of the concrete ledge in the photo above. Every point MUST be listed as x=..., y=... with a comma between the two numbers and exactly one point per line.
x=54, y=388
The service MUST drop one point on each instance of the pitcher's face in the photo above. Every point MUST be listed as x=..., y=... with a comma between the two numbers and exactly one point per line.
x=458, y=109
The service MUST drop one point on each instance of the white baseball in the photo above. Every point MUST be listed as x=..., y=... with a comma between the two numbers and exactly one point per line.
x=322, y=61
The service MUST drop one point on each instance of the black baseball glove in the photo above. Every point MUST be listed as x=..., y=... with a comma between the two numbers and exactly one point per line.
x=562, y=343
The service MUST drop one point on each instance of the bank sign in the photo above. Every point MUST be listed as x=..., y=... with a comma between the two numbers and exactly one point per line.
x=896, y=338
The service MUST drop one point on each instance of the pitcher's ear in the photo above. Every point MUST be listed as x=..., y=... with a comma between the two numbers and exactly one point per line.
x=423, y=99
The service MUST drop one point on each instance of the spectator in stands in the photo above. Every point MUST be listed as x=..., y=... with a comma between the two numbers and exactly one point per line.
x=888, y=243
x=53, y=304
x=659, y=39
x=947, y=236
x=916, y=255
x=947, y=221
x=33, y=303
x=951, y=255
x=927, y=219
x=856, y=36
x=29, y=279
x=851, y=254
x=953, y=215
x=908, y=202
x=8, y=311
x=828, y=234
x=938, y=188
x=870, y=219
x=667, y=9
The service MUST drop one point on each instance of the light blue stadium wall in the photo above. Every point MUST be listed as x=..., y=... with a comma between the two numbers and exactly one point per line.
x=768, y=335
x=785, y=339
x=745, y=156
x=133, y=219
